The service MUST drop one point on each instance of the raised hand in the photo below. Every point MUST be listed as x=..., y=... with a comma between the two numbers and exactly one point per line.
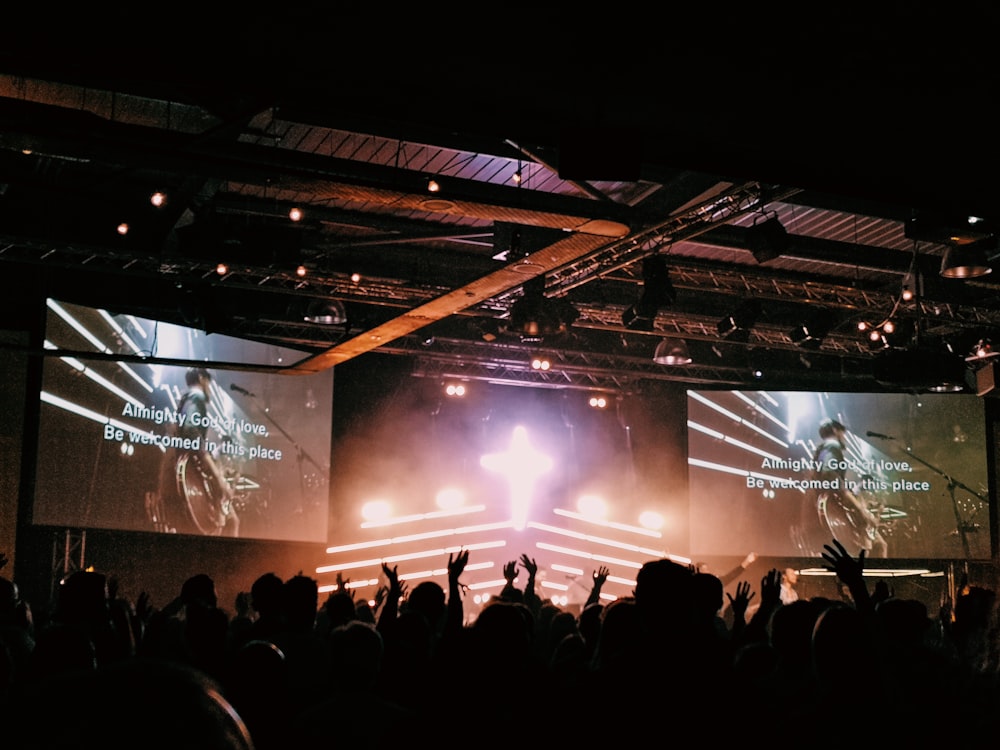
x=770, y=588
x=392, y=577
x=851, y=572
x=456, y=565
x=741, y=601
x=601, y=575
x=343, y=584
x=847, y=568
x=510, y=571
x=529, y=565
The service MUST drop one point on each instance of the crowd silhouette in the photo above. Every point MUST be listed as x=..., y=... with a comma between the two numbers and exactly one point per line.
x=284, y=669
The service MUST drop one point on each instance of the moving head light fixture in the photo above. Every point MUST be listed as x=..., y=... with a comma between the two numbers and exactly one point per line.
x=657, y=291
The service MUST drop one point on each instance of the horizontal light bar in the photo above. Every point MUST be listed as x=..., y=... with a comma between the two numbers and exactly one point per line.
x=878, y=572
x=598, y=540
x=384, y=542
x=607, y=524
x=423, y=516
x=412, y=556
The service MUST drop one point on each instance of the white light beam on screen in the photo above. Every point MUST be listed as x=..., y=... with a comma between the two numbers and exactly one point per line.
x=424, y=516
x=767, y=397
x=97, y=343
x=599, y=540
x=121, y=332
x=520, y=465
x=411, y=556
x=607, y=524
x=762, y=412
x=135, y=322
x=736, y=418
x=62, y=403
x=783, y=482
x=418, y=537
x=716, y=435
x=100, y=380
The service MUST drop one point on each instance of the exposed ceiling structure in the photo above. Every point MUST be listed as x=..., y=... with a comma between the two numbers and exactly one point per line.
x=571, y=228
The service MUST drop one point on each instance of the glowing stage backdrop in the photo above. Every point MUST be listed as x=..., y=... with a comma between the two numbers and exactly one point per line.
x=423, y=471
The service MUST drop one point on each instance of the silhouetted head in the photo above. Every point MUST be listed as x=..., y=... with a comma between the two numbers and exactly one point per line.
x=148, y=703
x=265, y=594
x=428, y=598
x=663, y=591
x=708, y=593
x=199, y=589
x=82, y=598
x=301, y=601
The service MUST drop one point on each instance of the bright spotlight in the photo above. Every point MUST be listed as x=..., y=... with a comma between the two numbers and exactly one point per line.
x=450, y=498
x=376, y=510
x=592, y=506
x=650, y=519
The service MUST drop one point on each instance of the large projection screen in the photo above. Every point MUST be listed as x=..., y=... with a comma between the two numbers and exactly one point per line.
x=106, y=425
x=917, y=462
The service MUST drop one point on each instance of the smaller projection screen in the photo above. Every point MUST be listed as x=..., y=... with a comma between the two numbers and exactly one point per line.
x=133, y=446
x=909, y=479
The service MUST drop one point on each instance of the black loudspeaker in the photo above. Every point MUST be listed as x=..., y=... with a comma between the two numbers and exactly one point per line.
x=767, y=240
x=985, y=380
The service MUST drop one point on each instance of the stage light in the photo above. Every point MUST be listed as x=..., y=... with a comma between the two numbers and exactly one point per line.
x=981, y=350
x=671, y=351
x=534, y=316
x=450, y=498
x=737, y=326
x=657, y=291
x=965, y=262
x=376, y=510
x=455, y=390
x=651, y=519
x=540, y=363
x=810, y=334
x=325, y=312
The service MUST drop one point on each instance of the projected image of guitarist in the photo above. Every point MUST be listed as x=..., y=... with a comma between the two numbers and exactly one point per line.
x=195, y=495
x=840, y=510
